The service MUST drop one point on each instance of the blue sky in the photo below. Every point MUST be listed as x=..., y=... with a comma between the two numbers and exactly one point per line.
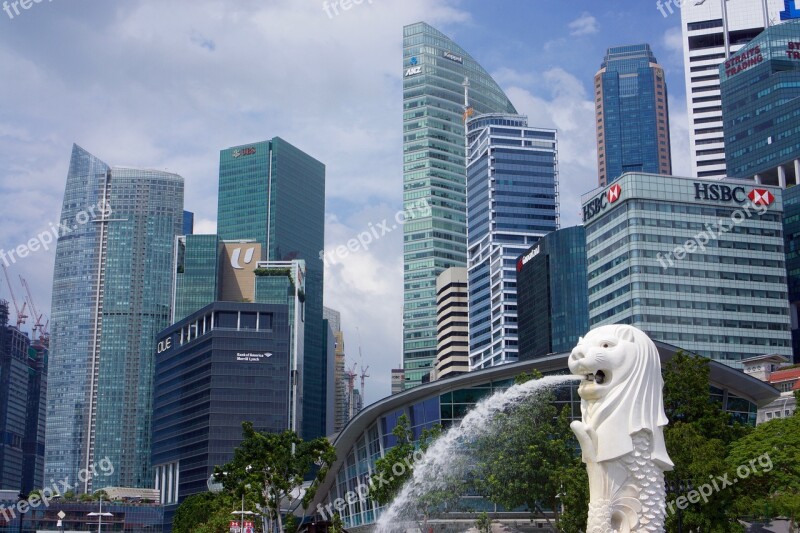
x=166, y=85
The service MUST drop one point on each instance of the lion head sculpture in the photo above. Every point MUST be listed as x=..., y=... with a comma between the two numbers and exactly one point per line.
x=621, y=393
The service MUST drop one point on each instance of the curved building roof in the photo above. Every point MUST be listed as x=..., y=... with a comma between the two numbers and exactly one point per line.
x=721, y=376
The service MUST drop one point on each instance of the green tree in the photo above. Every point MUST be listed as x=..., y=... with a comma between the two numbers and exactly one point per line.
x=483, y=523
x=528, y=458
x=204, y=513
x=698, y=437
x=336, y=524
x=770, y=456
x=274, y=465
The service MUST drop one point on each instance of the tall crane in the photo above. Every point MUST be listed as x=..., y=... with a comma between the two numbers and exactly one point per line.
x=363, y=370
x=363, y=376
x=351, y=379
x=21, y=316
x=39, y=329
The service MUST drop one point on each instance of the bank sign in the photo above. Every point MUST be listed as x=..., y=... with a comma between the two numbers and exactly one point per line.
x=601, y=202
x=719, y=192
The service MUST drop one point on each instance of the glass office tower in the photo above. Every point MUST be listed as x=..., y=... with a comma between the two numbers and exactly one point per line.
x=274, y=194
x=552, y=294
x=712, y=31
x=761, y=107
x=434, y=172
x=632, y=114
x=791, y=234
x=512, y=201
x=695, y=263
x=111, y=296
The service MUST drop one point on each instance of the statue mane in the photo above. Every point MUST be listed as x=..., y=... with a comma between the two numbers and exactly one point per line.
x=634, y=402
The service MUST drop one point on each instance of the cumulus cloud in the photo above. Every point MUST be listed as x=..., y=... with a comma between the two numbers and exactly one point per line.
x=586, y=24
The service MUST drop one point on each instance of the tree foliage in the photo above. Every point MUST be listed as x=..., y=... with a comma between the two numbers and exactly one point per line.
x=204, y=513
x=528, y=458
x=698, y=437
x=274, y=466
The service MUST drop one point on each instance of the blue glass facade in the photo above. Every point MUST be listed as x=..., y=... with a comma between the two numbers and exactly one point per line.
x=632, y=114
x=23, y=385
x=512, y=201
x=553, y=294
x=111, y=296
x=188, y=223
x=434, y=174
x=791, y=233
x=273, y=193
x=760, y=87
x=225, y=364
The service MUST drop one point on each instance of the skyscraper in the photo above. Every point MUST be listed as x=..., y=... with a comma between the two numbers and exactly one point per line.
x=632, y=114
x=274, y=194
x=434, y=171
x=111, y=296
x=23, y=384
x=552, y=294
x=712, y=31
x=340, y=417
x=761, y=107
x=452, y=324
x=512, y=201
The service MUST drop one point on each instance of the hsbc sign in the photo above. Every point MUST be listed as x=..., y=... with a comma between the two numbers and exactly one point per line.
x=601, y=202
x=719, y=192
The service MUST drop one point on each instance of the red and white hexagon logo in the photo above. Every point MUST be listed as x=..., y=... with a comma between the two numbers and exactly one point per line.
x=761, y=197
x=613, y=193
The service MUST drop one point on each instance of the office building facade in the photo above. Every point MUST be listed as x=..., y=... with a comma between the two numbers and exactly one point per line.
x=712, y=31
x=760, y=87
x=632, y=114
x=340, y=416
x=434, y=174
x=452, y=323
x=512, y=201
x=695, y=263
x=552, y=294
x=223, y=365
x=23, y=386
x=791, y=233
x=111, y=297
x=274, y=194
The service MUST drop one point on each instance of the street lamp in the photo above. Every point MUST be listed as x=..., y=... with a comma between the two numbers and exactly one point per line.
x=100, y=514
x=242, y=513
x=679, y=487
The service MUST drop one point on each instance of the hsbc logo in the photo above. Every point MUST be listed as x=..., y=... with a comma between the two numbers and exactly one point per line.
x=236, y=257
x=761, y=197
x=599, y=204
x=718, y=192
x=614, y=193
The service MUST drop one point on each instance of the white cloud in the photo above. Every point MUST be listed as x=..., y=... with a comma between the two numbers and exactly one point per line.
x=586, y=24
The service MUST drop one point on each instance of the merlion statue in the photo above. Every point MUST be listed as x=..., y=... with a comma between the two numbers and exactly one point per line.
x=621, y=434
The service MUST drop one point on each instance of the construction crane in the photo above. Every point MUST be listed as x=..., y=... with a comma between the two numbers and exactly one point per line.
x=351, y=380
x=363, y=370
x=21, y=316
x=363, y=376
x=39, y=329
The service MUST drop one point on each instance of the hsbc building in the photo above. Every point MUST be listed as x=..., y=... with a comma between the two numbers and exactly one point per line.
x=699, y=264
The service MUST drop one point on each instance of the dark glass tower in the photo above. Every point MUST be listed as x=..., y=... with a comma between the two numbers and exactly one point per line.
x=791, y=234
x=632, y=114
x=434, y=174
x=274, y=194
x=553, y=294
x=111, y=296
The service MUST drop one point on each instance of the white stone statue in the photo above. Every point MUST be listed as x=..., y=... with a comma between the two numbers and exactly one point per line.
x=621, y=435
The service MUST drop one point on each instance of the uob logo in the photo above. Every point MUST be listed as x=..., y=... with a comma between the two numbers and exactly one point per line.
x=237, y=254
x=791, y=12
